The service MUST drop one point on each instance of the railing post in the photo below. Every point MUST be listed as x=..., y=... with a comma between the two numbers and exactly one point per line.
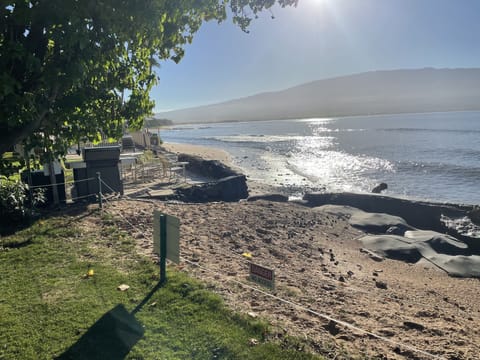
x=100, y=204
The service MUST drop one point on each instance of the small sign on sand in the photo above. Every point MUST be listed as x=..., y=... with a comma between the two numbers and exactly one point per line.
x=262, y=275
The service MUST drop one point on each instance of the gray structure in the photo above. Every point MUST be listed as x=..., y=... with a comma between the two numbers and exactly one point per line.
x=104, y=160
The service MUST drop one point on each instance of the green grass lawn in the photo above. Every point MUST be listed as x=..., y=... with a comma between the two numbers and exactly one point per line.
x=48, y=306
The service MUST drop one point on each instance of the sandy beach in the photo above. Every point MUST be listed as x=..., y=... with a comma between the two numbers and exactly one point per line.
x=207, y=153
x=320, y=265
x=202, y=151
x=385, y=309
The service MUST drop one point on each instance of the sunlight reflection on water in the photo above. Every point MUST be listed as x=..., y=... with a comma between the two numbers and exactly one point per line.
x=428, y=156
x=316, y=158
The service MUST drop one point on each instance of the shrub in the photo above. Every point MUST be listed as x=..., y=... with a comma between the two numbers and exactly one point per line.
x=13, y=194
x=13, y=202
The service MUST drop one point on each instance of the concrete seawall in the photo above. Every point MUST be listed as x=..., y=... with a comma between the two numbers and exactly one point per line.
x=420, y=214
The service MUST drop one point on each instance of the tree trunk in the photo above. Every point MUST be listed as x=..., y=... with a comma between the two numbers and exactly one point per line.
x=53, y=182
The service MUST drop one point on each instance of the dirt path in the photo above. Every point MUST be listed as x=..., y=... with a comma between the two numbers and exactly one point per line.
x=319, y=264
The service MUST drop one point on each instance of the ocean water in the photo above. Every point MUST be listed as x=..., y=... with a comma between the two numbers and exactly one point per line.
x=433, y=156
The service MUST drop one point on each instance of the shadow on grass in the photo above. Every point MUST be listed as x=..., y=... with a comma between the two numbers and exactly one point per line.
x=147, y=298
x=75, y=211
x=16, y=244
x=9, y=226
x=112, y=336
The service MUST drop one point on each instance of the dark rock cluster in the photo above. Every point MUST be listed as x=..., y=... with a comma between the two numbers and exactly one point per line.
x=226, y=185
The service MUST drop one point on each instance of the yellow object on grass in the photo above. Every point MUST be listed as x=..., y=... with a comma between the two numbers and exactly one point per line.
x=90, y=272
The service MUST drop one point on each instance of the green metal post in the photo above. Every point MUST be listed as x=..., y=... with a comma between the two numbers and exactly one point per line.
x=163, y=249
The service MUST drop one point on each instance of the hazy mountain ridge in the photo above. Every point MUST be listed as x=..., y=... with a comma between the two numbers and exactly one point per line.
x=377, y=92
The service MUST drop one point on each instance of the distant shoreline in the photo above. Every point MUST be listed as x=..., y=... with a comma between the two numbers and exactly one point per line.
x=369, y=93
x=316, y=117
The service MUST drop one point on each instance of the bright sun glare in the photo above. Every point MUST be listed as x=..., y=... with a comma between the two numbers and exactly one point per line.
x=318, y=3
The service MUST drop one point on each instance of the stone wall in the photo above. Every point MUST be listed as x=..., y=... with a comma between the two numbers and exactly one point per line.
x=227, y=184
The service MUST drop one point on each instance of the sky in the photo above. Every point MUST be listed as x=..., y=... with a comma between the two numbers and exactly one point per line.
x=319, y=39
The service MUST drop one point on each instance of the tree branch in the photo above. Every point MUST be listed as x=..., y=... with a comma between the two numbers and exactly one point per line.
x=11, y=138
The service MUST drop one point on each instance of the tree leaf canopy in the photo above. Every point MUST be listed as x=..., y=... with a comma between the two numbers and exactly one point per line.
x=71, y=69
